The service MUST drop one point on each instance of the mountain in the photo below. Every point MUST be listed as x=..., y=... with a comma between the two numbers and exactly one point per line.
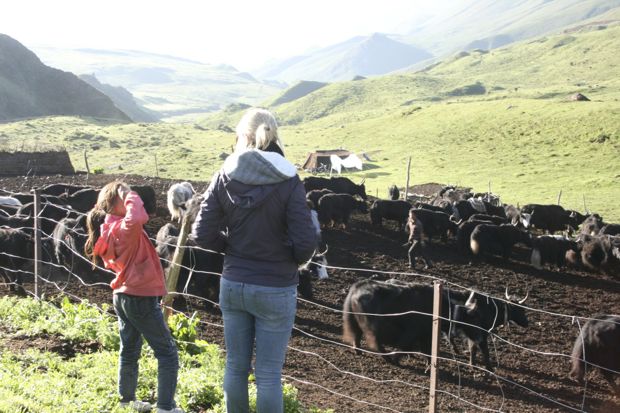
x=176, y=88
x=360, y=56
x=28, y=88
x=488, y=24
x=123, y=99
x=297, y=91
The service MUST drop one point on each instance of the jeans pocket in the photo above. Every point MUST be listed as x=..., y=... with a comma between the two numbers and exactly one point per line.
x=276, y=304
x=226, y=294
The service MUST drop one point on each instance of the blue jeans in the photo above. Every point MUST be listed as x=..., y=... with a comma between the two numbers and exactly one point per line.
x=138, y=317
x=258, y=316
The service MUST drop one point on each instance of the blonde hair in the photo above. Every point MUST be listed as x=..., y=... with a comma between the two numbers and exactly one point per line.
x=105, y=204
x=257, y=129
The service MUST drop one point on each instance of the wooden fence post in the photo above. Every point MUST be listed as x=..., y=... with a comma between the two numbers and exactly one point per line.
x=432, y=406
x=407, y=185
x=175, y=266
x=37, y=240
x=86, y=163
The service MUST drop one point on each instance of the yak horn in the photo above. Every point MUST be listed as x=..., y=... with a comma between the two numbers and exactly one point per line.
x=507, y=295
x=524, y=298
x=322, y=254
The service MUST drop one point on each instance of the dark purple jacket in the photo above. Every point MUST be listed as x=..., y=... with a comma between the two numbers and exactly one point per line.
x=255, y=211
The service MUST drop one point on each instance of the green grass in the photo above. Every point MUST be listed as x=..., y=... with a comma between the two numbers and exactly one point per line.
x=41, y=381
x=523, y=135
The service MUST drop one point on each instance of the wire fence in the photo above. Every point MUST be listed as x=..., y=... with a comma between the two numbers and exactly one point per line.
x=51, y=265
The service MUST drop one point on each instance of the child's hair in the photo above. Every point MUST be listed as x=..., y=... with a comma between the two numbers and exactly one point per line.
x=95, y=217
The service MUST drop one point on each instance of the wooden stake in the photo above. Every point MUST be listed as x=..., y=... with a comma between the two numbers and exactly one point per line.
x=407, y=185
x=156, y=167
x=559, y=196
x=86, y=162
x=585, y=208
x=37, y=240
x=432, y=406
x=175, y=266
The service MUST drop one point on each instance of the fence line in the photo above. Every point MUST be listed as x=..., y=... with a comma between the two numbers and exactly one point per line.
x=448, y=319
x=456, y=362
x=383, y=354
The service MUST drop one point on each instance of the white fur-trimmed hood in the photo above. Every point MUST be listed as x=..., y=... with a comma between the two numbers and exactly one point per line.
x=256, y=167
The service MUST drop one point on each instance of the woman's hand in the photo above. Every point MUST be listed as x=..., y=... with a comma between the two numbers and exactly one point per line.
x=122, y=192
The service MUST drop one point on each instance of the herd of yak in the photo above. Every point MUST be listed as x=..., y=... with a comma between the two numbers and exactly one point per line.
x=478, y=222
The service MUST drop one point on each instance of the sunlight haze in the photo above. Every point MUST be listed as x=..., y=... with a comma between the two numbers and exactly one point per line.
x=242, y=33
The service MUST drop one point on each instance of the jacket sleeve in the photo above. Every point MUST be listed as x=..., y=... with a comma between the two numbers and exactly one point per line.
x=135, y=215
x=301, y=231
x=206, y=227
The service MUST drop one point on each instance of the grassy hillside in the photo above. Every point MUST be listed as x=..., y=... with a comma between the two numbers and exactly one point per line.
x=476, y=23
x=522, y=133
x=178, y=88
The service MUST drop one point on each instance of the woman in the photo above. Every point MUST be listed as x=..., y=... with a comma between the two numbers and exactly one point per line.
x=255, y=211
x=124, y=247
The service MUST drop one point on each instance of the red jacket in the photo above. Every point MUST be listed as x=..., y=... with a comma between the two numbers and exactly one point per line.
x=126, y=249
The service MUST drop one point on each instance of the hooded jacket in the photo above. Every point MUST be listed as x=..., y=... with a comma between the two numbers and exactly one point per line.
x=255, y=212
x=126, y=249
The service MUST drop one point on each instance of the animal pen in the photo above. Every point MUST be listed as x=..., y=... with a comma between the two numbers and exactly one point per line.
x=442, y=389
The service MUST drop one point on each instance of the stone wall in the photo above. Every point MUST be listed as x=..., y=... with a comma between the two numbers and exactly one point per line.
x=35, y=163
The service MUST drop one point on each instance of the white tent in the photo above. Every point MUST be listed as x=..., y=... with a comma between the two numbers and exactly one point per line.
x=351, y=161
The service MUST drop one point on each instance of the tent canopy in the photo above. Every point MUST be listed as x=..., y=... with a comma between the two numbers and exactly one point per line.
x=320, y=160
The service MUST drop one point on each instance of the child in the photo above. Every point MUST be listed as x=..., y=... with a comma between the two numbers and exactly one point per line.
x=416, y=229
x=126, y=249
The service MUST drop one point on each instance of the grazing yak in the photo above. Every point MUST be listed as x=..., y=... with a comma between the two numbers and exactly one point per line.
x=407, y=332
x=200, y=269
x=463, y=234
x=393, y=210
x=598, y=345
x=600, y=252
x=314, y=268
x=16, y=250
x=315, y=195
x=592, y=225
x=550, y=218
x=394, y=193
x=177, y=196
x=497, y=240
x=404, y=317
x=446, y=208
x=551, y=249
x=436, y=224
x=496, y=220
x=610, y=229
x=59, y=189
x=338, y=185
x=480, y=315
x=337, y=208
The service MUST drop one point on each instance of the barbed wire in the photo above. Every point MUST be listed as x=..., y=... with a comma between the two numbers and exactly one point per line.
x=394, y=353
x=458, y=363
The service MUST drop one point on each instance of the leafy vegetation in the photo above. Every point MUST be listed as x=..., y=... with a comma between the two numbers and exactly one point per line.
x=41, y=381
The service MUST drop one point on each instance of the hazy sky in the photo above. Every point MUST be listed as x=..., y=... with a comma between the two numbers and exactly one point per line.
x=243, y=33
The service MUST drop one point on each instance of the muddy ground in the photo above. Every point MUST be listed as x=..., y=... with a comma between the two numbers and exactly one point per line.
x=329, y=375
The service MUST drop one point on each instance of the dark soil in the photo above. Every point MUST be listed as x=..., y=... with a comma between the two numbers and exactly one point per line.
x=17, y=343
x=329, y=375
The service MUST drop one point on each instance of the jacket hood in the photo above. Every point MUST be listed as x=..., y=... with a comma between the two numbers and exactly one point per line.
x=250, y=176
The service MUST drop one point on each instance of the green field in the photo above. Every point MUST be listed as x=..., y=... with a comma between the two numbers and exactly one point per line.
x=502, y=116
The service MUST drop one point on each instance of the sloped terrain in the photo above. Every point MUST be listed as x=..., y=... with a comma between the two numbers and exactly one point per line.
x=28, y=88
